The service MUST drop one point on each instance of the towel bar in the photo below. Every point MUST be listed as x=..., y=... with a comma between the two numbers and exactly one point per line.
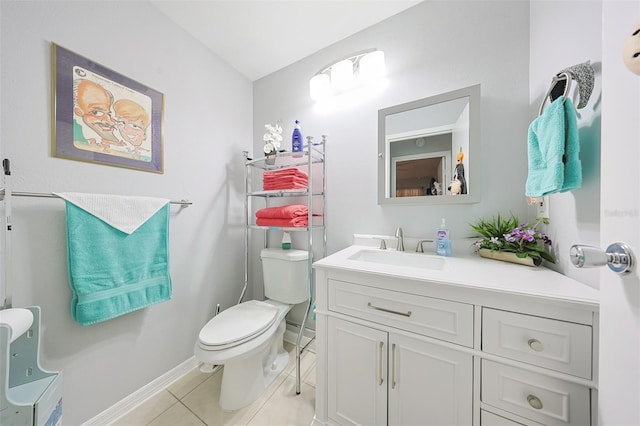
x=182, y=203
x=554, y=81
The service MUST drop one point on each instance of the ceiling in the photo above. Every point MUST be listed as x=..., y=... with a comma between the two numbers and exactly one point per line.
x=262, y=36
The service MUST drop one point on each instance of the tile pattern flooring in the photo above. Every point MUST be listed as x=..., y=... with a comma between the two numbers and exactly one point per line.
x=193, y=400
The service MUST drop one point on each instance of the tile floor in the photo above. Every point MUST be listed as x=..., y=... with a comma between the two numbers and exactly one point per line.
x=193, y=400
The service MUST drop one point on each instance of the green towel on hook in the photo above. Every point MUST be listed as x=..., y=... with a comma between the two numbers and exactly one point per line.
x=553, y=151
x=571, y=159
x=111, y=272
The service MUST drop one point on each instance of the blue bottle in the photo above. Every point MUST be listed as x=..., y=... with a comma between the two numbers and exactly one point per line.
x=296, y=140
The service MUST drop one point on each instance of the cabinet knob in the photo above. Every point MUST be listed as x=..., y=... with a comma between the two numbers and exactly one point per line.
x=534, y=402
x=536, y=345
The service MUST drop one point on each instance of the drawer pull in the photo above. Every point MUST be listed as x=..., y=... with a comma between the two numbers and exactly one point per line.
x=380, y=355
x=393, y=366
x=378, y=308
x=534, y=402
x=536, y=345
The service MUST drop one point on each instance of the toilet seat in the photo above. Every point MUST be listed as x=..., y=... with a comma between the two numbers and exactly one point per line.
x=237, y=324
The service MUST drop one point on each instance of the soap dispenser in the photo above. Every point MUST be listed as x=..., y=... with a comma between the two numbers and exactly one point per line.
x=443, y=242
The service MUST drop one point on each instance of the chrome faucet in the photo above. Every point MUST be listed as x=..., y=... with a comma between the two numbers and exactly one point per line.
x=419, y=248
x=400, y=246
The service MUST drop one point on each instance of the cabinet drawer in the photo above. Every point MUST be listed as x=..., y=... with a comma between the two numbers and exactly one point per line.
x=540, y=398
x=557, y=345
x=441, y=319
x=487, y=418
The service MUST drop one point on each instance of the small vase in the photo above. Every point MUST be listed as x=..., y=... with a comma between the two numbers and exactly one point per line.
x=509, y=257
x=270, y=158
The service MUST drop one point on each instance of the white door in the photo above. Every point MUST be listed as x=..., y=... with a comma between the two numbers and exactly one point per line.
x=619, y=384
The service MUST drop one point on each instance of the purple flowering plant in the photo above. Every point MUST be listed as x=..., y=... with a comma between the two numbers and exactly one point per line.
x=512, y=236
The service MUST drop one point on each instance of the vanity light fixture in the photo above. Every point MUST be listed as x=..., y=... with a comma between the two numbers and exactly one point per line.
x=357, y=70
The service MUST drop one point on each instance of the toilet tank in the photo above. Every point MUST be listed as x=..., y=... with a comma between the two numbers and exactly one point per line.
x=286, y=275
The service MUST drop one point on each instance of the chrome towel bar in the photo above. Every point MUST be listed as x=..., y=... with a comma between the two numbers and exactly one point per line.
x=182, y=203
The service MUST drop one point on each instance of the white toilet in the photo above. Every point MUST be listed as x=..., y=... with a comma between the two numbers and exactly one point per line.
x=247, y=338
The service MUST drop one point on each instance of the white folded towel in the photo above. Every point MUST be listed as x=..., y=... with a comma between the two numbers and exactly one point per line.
x=125, y=213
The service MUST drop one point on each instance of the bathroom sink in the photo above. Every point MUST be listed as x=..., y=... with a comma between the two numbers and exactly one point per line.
x=398, y=258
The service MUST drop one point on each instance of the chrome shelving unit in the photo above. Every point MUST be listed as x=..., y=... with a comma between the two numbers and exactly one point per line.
x=312, y=158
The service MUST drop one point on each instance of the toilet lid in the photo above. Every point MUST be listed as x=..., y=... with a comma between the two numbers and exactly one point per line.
x=238, y=323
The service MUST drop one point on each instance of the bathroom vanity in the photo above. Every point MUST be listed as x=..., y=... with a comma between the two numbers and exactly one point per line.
x=417, y=339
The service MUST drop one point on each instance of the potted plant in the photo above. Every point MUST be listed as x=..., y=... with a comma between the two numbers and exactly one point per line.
x=510, y=240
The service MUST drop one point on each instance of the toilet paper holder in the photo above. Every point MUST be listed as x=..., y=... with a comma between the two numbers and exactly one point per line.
x=29, y=395
x=618, y=257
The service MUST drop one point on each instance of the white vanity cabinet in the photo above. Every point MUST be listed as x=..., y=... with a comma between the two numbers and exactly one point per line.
x=377, y=377
x=469, y=342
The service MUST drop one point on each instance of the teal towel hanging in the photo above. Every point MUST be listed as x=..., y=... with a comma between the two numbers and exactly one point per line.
x=553, y=151
x=111, y=272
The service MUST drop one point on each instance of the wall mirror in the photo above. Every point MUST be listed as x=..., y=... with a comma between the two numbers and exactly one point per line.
x=426, y=149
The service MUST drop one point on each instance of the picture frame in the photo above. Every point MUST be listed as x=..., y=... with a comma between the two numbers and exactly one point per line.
x=101, y=116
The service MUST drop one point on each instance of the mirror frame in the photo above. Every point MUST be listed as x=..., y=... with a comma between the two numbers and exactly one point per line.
x=473, y=92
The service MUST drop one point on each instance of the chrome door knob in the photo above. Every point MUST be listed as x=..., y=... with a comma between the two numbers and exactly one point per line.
x=618, y=257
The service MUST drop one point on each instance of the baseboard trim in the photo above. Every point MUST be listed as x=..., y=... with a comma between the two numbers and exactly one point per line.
x=124, y=406
x=133, y=401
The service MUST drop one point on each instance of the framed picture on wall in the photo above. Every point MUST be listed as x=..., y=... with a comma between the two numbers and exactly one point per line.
x=101, y=116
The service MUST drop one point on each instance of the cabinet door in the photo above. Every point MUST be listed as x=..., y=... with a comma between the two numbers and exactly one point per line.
x=357, y=374
x=428, y=384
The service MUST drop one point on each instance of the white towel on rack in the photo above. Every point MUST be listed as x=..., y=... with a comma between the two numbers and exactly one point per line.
x=125, y=213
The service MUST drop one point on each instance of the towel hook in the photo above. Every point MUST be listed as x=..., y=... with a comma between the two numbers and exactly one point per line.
x=554, y=81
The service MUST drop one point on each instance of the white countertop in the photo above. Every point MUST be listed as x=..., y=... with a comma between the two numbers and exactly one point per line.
x=470, y=270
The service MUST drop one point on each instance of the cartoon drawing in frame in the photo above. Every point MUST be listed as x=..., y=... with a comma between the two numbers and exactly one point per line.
x=114, y=120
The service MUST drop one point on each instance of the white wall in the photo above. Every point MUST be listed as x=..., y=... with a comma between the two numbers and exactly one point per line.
x=207, y=123
x=431, y=48
x=566, y=33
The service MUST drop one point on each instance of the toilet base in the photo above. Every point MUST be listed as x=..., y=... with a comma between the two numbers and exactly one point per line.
x=244, y=380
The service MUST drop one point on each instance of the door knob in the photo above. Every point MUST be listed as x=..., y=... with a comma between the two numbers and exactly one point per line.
x=618, y=257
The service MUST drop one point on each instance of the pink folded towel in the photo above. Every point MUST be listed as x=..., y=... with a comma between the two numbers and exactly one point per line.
x=284, y=212
x=294, y=222
x=284, y=178
x=276, y=186
x=286, y=172
x=285, y=183
x=284, y=188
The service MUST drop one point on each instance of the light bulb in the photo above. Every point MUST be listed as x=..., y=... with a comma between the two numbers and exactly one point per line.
x=341, y=75
x=319, y=86
x=372, y=66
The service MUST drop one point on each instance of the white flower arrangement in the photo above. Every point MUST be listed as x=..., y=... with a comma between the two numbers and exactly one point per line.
x=272, y=138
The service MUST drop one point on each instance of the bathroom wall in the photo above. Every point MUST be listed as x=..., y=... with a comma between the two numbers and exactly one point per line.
x=431, y=48
x=207, y=123
x=565, y=33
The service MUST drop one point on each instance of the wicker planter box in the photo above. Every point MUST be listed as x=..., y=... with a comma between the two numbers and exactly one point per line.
x=509, y=257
